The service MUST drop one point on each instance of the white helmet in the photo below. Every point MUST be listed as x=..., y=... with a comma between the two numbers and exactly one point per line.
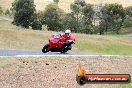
x=68, y=31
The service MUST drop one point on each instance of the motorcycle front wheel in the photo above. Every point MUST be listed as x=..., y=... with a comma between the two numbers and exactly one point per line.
x=45, y=48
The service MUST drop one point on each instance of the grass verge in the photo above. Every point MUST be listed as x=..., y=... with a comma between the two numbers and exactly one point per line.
x=12, y=37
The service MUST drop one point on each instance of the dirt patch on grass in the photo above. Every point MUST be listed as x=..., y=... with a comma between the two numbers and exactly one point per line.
x=58, y=72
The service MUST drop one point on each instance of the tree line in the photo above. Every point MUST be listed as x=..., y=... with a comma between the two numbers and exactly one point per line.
x=83, y=17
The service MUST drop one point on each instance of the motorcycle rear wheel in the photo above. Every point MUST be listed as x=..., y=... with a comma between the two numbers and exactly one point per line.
x=64, y=50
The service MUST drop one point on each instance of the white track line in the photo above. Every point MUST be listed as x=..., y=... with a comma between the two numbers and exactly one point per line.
x=66, y=56
x=63, y=55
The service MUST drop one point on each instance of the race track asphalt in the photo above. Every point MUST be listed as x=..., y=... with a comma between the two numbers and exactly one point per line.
x=4, y=52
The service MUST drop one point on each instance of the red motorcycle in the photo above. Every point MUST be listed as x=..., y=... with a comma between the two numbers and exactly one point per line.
x=57, y=43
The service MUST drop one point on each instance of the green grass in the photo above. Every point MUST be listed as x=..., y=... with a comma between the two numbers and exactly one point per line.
x=120, y=49
x=88, y=47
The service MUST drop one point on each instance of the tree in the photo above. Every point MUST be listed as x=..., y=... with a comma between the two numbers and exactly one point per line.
x=56, y=1
x=69, y=22
x=103, y=23
x=40, y=16
x=1, y=11
x=52, y=17
x=76, y=8
x=24, y=12
x=129, y=11
x=127, y=22
x=102, y=26
x=80, y=2
x=114, y=15
x=76, y=11
x=87, y=19
x=7, y=12
x=128, y=18
x=36, y=25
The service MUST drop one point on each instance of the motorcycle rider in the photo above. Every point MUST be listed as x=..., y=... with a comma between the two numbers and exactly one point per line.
x=68, y=37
